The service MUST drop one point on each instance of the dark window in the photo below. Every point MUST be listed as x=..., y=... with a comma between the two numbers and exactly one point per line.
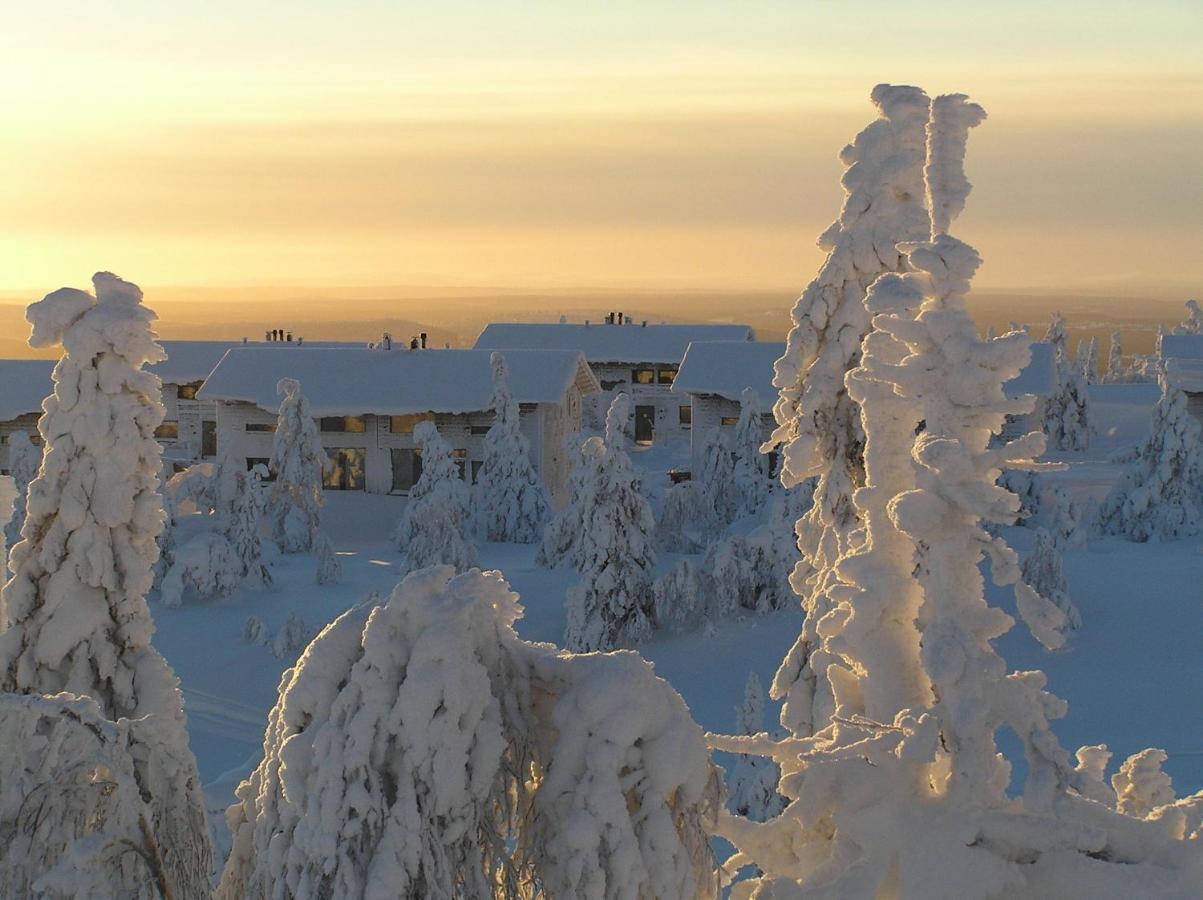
x=729, y=420
x=461, y=460
x=188, y=391
x=480, y=429
x=346, y=470
x=260, y=426
x=645, y=424
x=666, y=374
x=686, y=415
x=610, y=385
x=208, y=438
x=343, y=424
x=405, y=424
x=407, y=468
x=476, y=464
x=168, y=431
x=643, y=376
x=252, y=461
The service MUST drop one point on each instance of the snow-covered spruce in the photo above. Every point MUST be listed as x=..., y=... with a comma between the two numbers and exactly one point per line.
x=256, y=631
x=1058, y=512
x=511, y=504
x=745, y=576
x=1159, y=497
x=752, y=784
x=752, y=479
x=242, y=530
x=329, y=569
x=561, y=536
x=1026, y=486
x=1193, y=323
x=73, y=813
x=818, y=429
x=718, y=503
x=1067, y=411
x=916, y=804
x=431, y=530
x=292, y=637
x=1117, y=370
x=1042, y=572
x=681, y=508
x=471, y=763
x=612, y=604
x=23, y=461
x=74, y=614
x=1090, y=361
x=298, y=462
x=680, y=596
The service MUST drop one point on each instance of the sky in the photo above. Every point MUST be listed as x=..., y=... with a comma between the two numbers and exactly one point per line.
x=544, y=145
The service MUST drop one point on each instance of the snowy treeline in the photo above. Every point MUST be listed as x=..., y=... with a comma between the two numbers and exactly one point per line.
x=897, y=783
x=75, y=621
x=471, y=763
x=511, y=504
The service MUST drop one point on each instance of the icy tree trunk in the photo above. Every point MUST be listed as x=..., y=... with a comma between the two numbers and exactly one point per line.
x=298, y=461
x=74, y=613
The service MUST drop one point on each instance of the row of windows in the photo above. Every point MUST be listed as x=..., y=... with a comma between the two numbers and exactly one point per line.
x=347, y=465
x=654, y=375
x=358, y=424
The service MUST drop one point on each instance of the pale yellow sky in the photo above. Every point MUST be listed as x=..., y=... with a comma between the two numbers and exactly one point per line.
x=547, y=145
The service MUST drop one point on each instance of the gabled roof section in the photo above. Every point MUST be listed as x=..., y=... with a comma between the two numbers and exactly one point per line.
x=356, y=381
x=602, y=343
x=191, y=361
x=24, y=384
x=726, y=368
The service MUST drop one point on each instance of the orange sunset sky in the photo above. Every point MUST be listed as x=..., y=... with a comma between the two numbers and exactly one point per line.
x=550, y=144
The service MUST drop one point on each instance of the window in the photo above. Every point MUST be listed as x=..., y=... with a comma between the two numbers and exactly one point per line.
x=729, y=420
x=461, y=460
x=643, y=376
x=405, y=424
x=610, y=385
x=208, y=438
x=480, y=429
x=407, y=469
x=685, y=415
x=345, y=424
x=346, y=470
x=267, y=474
x=168, y=431
x=260, y=426
x=666, y=374
x=188, y=391
x=476, y=464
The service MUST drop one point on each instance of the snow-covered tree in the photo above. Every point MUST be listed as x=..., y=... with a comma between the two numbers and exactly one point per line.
x=255, y=631
x=471, y=764
x=745, y=576
x=752, y=479
x=1090, y=360
x=1057, y=336
x=511, y=504
x=904, y=792
x=818, y=429
x=1042, y=572
x=242, y=530
x=431, y=531
x=207, y=564
x=292, y=637
x=23, y=461
x=298, y=462
x=74, y=616
x=1059, y=514
x=1193, y=323
x=716, y=484
x=681, y=509
x=752, y=785
x=561, y=536
x=1067, y=411
x=1025, y=486
x=1117, y=372
x=1160, y=495
x=679, y=596
x=612, y=604
x=329, y=569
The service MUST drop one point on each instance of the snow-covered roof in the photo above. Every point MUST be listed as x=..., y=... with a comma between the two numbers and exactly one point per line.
x=725, y=368
x=1038, y=377
x=354, y=381
x=189, y=361
x=602, y=343
x=24, y=384
x=1182, y=346
x=1185, y=374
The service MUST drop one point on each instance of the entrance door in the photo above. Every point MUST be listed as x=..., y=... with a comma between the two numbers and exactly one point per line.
x=645, y=424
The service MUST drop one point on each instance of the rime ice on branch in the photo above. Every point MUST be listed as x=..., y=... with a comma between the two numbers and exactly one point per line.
x=74, y=613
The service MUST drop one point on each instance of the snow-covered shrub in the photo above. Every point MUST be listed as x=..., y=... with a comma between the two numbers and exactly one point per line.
x=752, y=784
x=74, y=810
x=1042, y=573
x=329, y=569
x=73, y=617
x=612, y=604
x=298, y=462
x=292, y=637
x=903, y=790
x=679, y=596
x=511, y=503
x=256, y=631
x=207, y=563
x=1193, y=323
x=818, y=428
x=751, y=476
x=681, y=508
x=431, y=531
x=23, y=461
x=1159, y=496
x=471, y=764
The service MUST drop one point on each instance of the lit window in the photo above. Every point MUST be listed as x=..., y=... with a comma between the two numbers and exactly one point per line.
x=643, y=376
x=188, y=391
x=406, y=424
x=168, y=431
x=345, y=424
x=730, y=420
x=686, y=415
x=610, y=385
x=666, y=374
x=261, y=426
x=346, y=469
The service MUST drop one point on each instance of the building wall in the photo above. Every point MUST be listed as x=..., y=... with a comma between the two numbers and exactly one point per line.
x=666, y=404
x=709, y=411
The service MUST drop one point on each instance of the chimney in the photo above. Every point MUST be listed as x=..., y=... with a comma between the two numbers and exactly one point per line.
x=586, y=323
x=244, y=340
x=620, y=318
x=413, y=343
x=423, y=337
x=645, y=323
x=267, y=335
x=300, y=340
x=289, y=338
